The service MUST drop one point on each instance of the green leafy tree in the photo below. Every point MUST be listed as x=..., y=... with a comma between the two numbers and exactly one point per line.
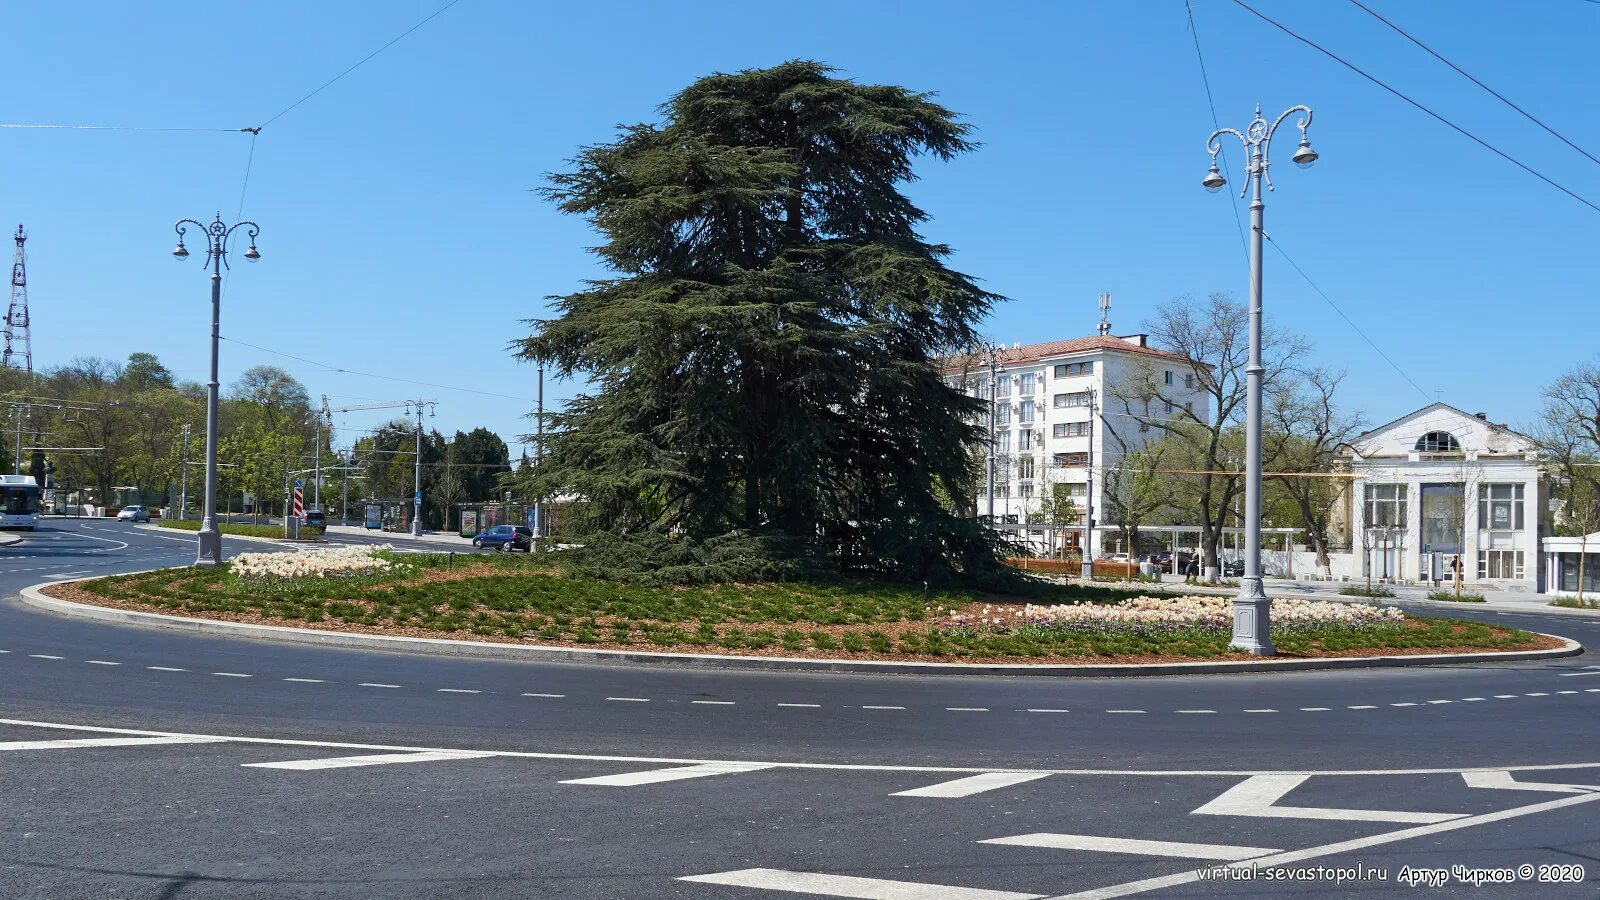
x=764, y=358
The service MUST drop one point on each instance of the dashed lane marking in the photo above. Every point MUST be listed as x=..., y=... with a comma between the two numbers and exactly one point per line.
x=1260, y=710
x=305, y=680
x=377, y=759
x=165, y=669
x=1195, y=712
x=1048, y=710
x=801, y=705
x=44, y=656
x=552, y=696
x=374, y=684
x=458, y=691
x=1361, y=707
x=71, y=743
x=712, y=702
x=1130, y=712
x=677, y=773
x=852, y=886
x=1314, y=709
x=1048, y=840
x=629, y=699
x=1505, y=696
x=1536, y=694
x=883, y=707
x=101, y=662
x=232, y=675
x=973, y=784
x=966, y=709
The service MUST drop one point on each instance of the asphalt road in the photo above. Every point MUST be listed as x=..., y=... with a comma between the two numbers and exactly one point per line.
x=210, y=773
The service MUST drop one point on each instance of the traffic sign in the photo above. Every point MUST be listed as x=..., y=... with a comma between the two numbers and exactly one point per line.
x=299, y=500
x=417, y=498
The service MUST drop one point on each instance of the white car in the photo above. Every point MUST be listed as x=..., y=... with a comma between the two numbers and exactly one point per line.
x=134, y=514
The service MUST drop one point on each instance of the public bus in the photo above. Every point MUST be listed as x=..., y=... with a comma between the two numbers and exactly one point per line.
x=19, y=502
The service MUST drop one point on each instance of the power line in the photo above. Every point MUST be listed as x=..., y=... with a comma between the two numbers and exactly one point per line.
x=119, y=128
x=248, y=163
x=325, y=85
x=1467, y=75
x=1457, y=128
x=1392, y=364
x=1206, y=80
x=344, y=371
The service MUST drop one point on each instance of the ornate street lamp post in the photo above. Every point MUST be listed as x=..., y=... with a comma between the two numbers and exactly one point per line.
x=210, y=544
x=1252, y=608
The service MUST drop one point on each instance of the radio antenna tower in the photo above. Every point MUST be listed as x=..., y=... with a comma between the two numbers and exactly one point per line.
x=1105, y=313
x=19, y=343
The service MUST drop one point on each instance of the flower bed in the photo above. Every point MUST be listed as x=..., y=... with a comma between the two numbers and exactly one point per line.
x=1158, y=615
x=345, y=562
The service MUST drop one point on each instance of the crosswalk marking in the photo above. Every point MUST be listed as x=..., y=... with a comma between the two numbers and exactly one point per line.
x=376, y=759
x=70, y=743
x=1181, y=849
x=972, y=784
x=676, y=773
x=851, y=886
x=1259, y=794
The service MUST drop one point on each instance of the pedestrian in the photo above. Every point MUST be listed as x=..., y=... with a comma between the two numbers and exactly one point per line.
x=1191, y=572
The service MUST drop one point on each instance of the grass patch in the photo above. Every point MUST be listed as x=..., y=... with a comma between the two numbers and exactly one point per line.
x=1453, y=597
x=242, y=529
x=505, y=597
x=1575, y=603
x=1356, y=590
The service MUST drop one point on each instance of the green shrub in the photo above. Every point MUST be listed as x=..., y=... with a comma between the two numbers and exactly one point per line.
x=1453, y=597
x=1357, y=590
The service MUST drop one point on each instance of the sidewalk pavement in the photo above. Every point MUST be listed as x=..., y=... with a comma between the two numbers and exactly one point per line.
x=434, y=537
x=1506, y=601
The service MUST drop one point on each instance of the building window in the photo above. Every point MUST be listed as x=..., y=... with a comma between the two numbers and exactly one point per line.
x=1068, y=370
x=1058, y=430
x=1500, y=508
x=1169, y=407
x=1024, y=439
x=1074, y=429
x=1071, y=401
x=1438, y=442
x=1002, y=386
x=1386, y=506
x=1072, y=460
x=1188, y=381
x=1002, y=413
x=1168, y=377
x=1025, y=490
x=1500, y=564
x=1003, y=441
x=1028, y=382
x=1025, y=467
x=1026, y=413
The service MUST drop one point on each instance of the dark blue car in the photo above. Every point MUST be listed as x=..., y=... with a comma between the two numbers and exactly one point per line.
x=505, y=537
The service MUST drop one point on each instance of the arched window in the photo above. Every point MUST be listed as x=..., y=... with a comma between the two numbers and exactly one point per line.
x=1438, y=442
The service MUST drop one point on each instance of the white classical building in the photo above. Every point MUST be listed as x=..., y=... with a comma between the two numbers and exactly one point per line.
x=1440, y=488
x=1053, y=423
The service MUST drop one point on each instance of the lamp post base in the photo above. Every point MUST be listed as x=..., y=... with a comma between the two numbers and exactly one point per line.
x=210, y=550
x=1252, y=620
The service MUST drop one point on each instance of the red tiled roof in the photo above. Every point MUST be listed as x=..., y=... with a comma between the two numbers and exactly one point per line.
x=1048, y=349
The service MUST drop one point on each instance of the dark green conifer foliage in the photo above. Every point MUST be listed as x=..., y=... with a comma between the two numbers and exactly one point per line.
x=765, y=360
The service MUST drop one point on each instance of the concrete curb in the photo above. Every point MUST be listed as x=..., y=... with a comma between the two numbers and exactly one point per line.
x=281, y=542
x=9, y=538
x=33, y=596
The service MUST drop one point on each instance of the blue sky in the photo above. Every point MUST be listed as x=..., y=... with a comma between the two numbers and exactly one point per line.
x=400, y=237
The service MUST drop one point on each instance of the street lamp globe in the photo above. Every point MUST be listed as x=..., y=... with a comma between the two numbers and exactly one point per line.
x=1214, y=181
x=180, y=251
x=254, y=255
x=1304, y=156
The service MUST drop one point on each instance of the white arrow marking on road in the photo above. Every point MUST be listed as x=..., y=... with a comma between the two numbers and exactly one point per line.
x=376, y=759
x=1129, y=845
x=972, y=784
x=1256, y=796
x=1577, y=674
x=104, y=742
x=1505, y=781
x=677, y=773
x=850, y=886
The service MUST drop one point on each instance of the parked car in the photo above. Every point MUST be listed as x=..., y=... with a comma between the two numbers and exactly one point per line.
x=1173, y=562
x=315, y=519
x=1233, y=568
x=505, y=537
x=134, y=514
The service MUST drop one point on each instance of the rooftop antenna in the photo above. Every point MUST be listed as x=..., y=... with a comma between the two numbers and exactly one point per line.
x=18, y=337
x=1105, y=313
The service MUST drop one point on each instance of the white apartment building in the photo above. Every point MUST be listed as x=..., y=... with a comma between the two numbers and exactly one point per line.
x=1045, y=434
x=1441, y=488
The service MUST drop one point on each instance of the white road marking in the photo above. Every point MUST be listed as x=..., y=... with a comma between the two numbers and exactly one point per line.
x=1260, y=710
x=801, y=705
x=44, y=656
x=1402, y=704
x=232, y=675
x=1536, y=694
x=553, y=696
x=1471, y=699
x=1190, y=876
x=1195, y=712
x=101, y=662
x=972, y=784
x=458, y=691
x=883, y=707
x=1566, y=692
x=165, y=669
x=1577, y=674
x=1360, y=707
x=1314, y=709
x=1052, y=841
x=376, y=685
x=379, y=759
x=1047, y=710
x=1259, y=794
x=677, y=773
x=1505, y=781
x=1505, y=696
x=1437, y=702
x=851, y=886
x=966, y=709
x=712, y=702
x=1138, y=712
x=105, y=742
x=629, y=699
x=305, y=680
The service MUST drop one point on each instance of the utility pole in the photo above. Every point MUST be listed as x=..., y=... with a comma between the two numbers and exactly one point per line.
x=994, y=382
x=1252, y=609
x=1086, y=563
x=418, y=406
x=322, y=415
x=538, y=457
x=344, y=496
x=183, y=493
